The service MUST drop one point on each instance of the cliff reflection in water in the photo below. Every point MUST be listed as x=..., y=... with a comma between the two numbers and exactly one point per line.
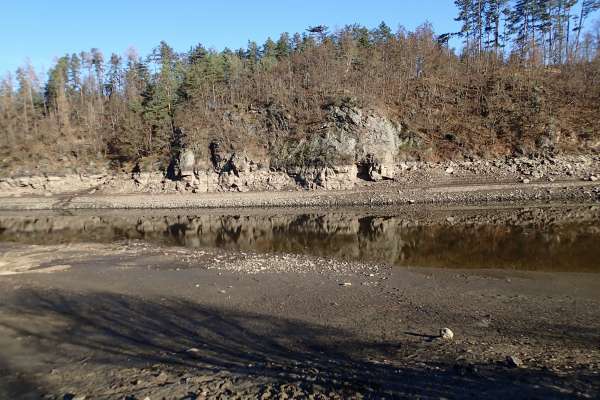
x=471, y=242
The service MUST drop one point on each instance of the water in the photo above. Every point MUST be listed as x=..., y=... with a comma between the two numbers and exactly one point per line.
x=545, y=239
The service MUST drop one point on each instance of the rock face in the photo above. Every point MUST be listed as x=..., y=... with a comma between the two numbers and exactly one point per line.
x=187, y=162
x=337, y=178
x=240, y=173
x=351, y=146
x=369, y=140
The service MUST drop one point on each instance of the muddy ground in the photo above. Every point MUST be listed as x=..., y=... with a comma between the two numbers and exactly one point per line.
x=131, y=320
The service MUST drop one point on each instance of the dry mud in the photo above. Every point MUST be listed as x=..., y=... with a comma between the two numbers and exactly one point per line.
x=131, y=320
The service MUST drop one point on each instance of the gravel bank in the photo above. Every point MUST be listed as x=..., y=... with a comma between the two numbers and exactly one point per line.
x=376, y=195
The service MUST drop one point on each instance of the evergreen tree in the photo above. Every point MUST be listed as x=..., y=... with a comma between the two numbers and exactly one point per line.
x=113, y=86
x=283, y=46
x=75, y=72
x=252, y=55
x=296, y=42
x=160, y=98
x=318, y=32
x=97, y=61
x=587, y=8
x=56, y=93
x=269, y=54
x=382, y=34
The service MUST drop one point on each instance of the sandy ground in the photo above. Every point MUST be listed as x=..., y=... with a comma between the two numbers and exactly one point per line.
x=134, y=321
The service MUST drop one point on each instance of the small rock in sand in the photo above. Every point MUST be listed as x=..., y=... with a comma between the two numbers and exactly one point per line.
x=346, y=284
x=446, y=334
x=514, y=362
x=193, y=350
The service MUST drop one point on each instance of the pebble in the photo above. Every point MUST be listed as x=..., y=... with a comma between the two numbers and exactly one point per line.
x=346, y=284
x=446, y=334
x=514, y=362
x=193, y=350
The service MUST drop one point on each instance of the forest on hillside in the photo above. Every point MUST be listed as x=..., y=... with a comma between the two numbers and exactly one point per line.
x=525, y=70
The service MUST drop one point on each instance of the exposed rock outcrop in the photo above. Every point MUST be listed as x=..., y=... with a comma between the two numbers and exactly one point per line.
x=369, y=140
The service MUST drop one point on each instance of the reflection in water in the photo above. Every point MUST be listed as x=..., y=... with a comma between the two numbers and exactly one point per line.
x=470, y=242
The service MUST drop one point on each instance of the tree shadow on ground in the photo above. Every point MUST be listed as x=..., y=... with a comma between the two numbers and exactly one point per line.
x=16, y=384
x=127, y=331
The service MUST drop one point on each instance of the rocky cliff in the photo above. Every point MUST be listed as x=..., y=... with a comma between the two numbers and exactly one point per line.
x=350, y=146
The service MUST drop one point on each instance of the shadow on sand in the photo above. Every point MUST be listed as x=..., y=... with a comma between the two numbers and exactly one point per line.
x=128, y=331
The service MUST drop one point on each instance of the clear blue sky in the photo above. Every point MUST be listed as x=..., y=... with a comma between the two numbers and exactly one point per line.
x=43, y=30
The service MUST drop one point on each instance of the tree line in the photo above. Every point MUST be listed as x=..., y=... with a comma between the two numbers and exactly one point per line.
x=540, y=31
x=506, y=83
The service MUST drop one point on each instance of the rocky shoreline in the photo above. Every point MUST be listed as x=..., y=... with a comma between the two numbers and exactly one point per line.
x=545, y=179
x=385, y=195
x=245, y=176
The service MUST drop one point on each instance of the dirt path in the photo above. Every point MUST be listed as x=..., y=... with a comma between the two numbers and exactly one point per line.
x=133, y=321
x=386, y=193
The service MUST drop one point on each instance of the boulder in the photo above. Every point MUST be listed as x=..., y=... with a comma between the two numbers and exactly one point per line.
x=187, y=162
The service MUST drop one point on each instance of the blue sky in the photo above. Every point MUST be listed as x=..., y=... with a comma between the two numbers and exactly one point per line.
x=42, y=30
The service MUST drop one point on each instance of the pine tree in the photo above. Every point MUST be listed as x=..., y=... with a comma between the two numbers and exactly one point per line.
x=252, y=55
x=75, y=73
x=494, y=12
x=97, y=61
x=464, y=13
x=382, y=34
x=269, y=54
x=318, y=32
x=113, y=85
x=160, y=98
x=56, y=93
x=283, y=47
x=587, y=8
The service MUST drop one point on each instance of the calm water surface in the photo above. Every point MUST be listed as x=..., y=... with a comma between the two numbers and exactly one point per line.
x=550, y=239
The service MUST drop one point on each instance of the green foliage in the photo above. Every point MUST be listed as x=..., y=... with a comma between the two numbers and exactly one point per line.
x=57, y=80
x=283, y=47
x=160, y=98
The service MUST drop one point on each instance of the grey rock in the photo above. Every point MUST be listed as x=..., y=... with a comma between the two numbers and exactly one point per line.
x=187, y=161
x=544, y=142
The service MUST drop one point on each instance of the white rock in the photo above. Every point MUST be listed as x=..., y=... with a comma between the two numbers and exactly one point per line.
x=446, y=334
x=514, y=361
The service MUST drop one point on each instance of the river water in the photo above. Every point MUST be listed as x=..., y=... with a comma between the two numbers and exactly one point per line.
x=520, y=238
